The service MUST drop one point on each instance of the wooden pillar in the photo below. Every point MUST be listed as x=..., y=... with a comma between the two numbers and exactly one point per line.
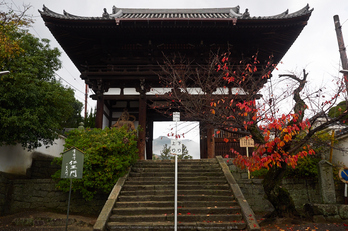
x=149, y=139
x=142, y=124
x=99, y=88
x=210, y=143
x=100, y=111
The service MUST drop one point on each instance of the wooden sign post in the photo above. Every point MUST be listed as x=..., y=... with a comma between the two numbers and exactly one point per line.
x=247, y=142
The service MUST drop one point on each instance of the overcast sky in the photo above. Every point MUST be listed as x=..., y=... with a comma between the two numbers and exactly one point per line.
x=315, y=49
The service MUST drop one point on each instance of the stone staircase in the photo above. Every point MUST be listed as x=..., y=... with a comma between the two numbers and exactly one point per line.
x=144, y=200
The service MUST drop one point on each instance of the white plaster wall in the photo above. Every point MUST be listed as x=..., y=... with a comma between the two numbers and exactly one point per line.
x=340, y=153
x=14, y=159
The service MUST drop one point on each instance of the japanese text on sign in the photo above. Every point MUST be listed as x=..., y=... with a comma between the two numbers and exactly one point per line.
x=176, y=116
x=176, y=147
x=72, y=165
x=246, y=142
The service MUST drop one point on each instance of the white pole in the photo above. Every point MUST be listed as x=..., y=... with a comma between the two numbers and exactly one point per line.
x=176, y=184
x=176, y=194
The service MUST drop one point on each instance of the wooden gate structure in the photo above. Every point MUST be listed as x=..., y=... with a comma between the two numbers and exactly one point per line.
x=121, y=51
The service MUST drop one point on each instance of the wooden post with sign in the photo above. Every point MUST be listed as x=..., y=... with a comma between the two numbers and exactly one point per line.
x=72, y=167
x=247, y=142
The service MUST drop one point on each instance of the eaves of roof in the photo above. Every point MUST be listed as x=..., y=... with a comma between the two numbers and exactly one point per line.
x=341, y=134
x=176, y=14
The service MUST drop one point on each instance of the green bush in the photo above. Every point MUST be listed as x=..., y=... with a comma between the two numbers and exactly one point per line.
x=109, y=153
x=306, y=168
x=259, y=173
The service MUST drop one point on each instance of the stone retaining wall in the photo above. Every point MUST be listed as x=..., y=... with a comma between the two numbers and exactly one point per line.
x=41, y=194
x=36, y=191
x=302, y=191
x=5, y=185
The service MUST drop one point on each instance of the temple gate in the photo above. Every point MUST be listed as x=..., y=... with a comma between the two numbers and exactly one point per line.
x=122, y=50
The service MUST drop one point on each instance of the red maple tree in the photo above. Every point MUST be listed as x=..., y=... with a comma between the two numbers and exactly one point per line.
x=225, y=94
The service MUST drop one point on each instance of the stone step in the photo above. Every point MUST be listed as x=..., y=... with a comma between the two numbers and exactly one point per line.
x=180, y=162
x=170, y=210
x=171, y=198
x=198, y=185
x=180, y=168
x=171, y=174
x=181, y=218
x=205, y=199
x=154, y=169
x=180, y=192
x=182, y=180
x=164, y=226
x=181, y=204
x=193, y=161
x=188, y=177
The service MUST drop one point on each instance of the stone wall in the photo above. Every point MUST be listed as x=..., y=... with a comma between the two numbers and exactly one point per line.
x=41, y=194
x=36, y=191
x=302, y=191
x=5, y=185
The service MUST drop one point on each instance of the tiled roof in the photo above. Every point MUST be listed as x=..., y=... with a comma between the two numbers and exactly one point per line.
x=204, y=13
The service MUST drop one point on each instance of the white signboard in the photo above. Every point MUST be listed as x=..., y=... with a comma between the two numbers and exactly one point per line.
x=176, y=147
x=176, y=116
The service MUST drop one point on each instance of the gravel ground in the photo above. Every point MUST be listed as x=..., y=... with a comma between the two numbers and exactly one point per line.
x=35, y=221
x=290, y=224
x=29, y=221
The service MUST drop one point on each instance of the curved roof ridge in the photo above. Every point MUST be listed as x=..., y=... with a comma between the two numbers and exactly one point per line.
x=47, y=11
x=284, y=14
x=178, y=10
x=304, y=10
x=136, y=13
x=70, y=15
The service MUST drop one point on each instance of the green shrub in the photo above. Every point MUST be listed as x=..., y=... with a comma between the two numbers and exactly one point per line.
x=109, y=153
x=306, y=168
x=259, y=173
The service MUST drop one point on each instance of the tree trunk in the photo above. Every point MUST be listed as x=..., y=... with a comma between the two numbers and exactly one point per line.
x=278, y=196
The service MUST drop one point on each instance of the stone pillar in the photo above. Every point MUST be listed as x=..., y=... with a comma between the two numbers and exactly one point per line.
x=326, y=182
x=210, y=143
